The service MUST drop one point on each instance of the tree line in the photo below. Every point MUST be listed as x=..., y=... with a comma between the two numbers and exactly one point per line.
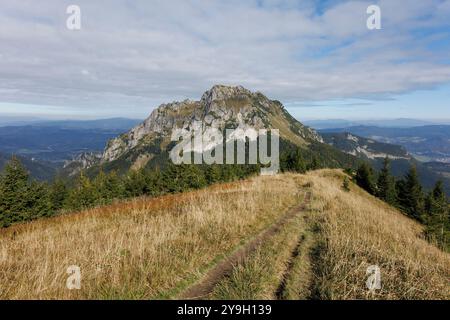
x=24, y=199
x=407, y=194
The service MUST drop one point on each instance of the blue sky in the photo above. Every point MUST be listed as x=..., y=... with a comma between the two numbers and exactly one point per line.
x=421, y=104
x=317, y=57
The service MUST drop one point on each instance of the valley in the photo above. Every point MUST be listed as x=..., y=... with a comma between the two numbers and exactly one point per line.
x=46, y=147
x=374, y=152
x=54, y=144
x=429, y=143
x=39, y=170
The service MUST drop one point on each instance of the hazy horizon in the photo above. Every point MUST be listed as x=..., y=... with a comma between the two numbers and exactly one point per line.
x=19, y=118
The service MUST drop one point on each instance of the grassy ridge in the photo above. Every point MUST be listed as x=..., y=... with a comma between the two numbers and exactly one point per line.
x=260, y=275
x=358, y=230
x=155, y=248
x=138, y=249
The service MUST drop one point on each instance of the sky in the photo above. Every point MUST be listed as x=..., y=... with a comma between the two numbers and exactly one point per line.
x=317, y=57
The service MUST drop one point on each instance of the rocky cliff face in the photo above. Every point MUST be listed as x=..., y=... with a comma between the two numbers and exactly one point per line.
x=220, y=107
x=365, y=148
x=80, y=162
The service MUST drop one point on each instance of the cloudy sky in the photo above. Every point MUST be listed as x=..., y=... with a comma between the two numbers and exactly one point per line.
x=317, y=57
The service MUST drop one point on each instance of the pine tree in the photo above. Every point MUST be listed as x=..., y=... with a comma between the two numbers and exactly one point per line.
x=108, y=187
x=437, y=217
x=135, y=183
x=296, y=162
x=84, y=195
x=114, y=186
x=38, y=201
x=228, y=173
x=386, y=184
x=411, y=197
x=314, y=165
x=58, y=194
x=193, y=177
x=14, y=191
x=154, y=183
x=364, y=178
x=213, y=174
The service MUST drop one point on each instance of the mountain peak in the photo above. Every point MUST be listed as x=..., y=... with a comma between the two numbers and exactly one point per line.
x=219, y=91
x=221, y=107
x=222, y=92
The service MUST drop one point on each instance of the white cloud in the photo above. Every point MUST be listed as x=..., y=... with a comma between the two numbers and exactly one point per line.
x=141, y=53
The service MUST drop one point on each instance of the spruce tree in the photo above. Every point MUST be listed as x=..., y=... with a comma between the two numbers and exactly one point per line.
x=213, y=173
x=14, y=192
x=135, y=183
x=411, y=197
x=84, y=195
x=154, y=183
x=386, y=184
x=58, y=194
x=194, y=177
x=437, y=217
x=296, y=161
x=38, y=201
x=108, y=187
x=314, y=165
x=364, y=178
x=114, y=186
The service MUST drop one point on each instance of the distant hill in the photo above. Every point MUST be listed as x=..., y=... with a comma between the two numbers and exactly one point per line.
x=440, y=167
x=6, y=120
x=426, y=143
x=389, y=123
x=123, y=124
x=363, y=147
x=110, y=123
x=58, y=142
x=45, y=146
x=39, y=170
x=375, y=152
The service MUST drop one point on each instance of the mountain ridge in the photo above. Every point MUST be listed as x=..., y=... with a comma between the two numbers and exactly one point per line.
x=221, y=107
x=426, y=143
x=147, y=145
x=374, y=152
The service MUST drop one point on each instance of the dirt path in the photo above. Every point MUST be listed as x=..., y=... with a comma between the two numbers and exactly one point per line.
x=298, y=280
x=205, y=286
x=295, y=253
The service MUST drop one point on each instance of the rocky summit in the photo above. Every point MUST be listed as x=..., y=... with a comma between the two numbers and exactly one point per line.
x=221, y=107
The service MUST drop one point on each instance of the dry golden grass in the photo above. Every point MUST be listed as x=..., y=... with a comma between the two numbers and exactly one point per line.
x=357, y=230
x=299, y=279
x=260, y=274
x=144, y=248
x=155, y=248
